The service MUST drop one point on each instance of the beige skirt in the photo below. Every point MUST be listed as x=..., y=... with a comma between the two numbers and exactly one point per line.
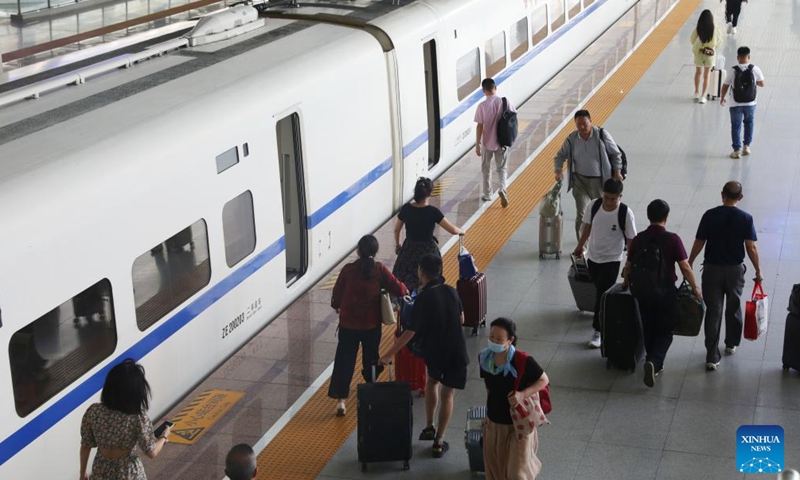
x=508, y=458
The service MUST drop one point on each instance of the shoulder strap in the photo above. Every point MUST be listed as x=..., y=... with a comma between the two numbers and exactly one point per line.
x=505, y=105
x=520, y=359
x=596, y=207
x=750, y=67
x=622, y=219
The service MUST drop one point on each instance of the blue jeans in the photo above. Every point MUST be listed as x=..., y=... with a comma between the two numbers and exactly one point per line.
x=739, y=115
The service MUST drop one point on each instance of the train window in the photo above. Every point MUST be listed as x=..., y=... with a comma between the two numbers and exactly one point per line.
x=539, y=25
x=557, y=13
x=496, y=54
x=169, y=273
x=468, y=73
x=227, y=159
x=574, y=7
x=238, y=225
x=245, y=150
x=586, y=3
x=518, y=38
x=56, y=349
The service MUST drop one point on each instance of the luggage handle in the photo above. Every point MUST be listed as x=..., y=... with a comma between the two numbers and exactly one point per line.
x=375, y=376
x=460, y=244
x=575, y=262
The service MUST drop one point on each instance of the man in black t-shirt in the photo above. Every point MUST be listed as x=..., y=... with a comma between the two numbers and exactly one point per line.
x=726, y=232
x=437, y=318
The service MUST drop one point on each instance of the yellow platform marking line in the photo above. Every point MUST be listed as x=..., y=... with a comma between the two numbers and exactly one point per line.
x=201, y=414
x=441, y=185
x=313, y=436
x=330, y=283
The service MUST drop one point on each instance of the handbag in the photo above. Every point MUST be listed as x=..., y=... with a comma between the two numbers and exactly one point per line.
x=466, y=262
x=691, y=312
x=531, y=412
x=387, y=308
x=756, y=314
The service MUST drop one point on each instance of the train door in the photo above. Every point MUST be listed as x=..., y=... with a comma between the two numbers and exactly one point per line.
x=290, y=160
x=432, y=101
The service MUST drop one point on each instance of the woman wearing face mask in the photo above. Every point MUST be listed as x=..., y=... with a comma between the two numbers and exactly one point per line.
x=506, y=456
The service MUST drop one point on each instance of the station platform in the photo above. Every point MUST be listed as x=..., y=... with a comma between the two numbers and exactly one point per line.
x=606, y=424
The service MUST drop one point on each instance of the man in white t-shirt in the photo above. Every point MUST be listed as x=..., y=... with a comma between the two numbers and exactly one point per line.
x=608, y=227
x=743, y=81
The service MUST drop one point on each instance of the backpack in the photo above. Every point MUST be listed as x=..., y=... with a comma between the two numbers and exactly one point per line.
x=506, y=126
x=406, y=316
x=744, y=85
x=648, y=275
x=622, y=215
x=622, y=154
x=520, y=359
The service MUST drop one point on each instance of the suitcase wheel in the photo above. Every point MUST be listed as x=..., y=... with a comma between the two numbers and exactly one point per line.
x=541, y=256
x=364, y=467
x=474, y=332
x=406, y=466
x=785, y=367
x=558, y=256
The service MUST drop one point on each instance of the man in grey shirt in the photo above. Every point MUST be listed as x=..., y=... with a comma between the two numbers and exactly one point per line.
x=590, y=160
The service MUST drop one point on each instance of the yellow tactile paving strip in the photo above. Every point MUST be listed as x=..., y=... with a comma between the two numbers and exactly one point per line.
x=314, y=435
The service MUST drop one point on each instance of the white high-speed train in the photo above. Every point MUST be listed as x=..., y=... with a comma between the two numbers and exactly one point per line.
x=170, y=211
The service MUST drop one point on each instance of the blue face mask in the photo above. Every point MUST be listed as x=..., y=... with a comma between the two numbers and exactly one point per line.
x=497, y=347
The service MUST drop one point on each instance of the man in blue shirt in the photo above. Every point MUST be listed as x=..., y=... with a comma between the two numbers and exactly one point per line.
x=726, y=232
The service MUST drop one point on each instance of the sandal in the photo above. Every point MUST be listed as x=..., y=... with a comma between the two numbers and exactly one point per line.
x=428, y=433
x=439, y=449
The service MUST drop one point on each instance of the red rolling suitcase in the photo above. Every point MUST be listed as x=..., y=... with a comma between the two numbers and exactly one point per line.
x=411, y=369
x=471, y=290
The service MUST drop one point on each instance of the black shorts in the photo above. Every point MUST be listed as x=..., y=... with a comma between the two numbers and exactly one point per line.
x=455, y=378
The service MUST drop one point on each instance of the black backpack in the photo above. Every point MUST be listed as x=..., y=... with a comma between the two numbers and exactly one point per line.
x=622, y=215
x=622, y=155
x=648, y=276
x=507, y=126
x=744, y=85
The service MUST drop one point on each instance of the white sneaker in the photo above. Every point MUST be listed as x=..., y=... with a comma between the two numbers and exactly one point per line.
x=703, y=99
x=730, y=28
x=746, y=150
x=486, y=198
x=730, y=350
x=596, y=341
x=733, y=30
x=696, y=97
x=736, y=154
x=712, y=366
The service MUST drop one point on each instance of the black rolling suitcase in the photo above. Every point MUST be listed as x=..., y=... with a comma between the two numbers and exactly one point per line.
x=791, y=335
x=385, y=422
x=623, y=339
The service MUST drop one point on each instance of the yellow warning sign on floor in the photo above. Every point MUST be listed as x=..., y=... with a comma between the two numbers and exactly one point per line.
x=193, y=422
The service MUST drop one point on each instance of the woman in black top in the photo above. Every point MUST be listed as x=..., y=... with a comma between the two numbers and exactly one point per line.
x=506, y=455
x=420, y=219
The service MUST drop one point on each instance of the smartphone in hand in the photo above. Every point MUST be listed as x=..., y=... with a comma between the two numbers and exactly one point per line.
x=160, y=430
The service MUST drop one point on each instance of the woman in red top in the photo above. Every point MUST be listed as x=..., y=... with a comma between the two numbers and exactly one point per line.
x=356, y=298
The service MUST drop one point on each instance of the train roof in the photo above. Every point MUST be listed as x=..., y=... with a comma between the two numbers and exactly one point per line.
x=74, y=117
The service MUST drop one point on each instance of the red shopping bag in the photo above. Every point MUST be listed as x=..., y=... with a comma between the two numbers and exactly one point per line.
x=756, y=314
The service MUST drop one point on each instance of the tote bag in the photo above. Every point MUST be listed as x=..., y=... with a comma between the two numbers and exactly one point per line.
x=756, y=314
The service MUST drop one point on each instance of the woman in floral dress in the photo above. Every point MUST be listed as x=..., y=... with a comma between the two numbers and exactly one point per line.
x=118, y=424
